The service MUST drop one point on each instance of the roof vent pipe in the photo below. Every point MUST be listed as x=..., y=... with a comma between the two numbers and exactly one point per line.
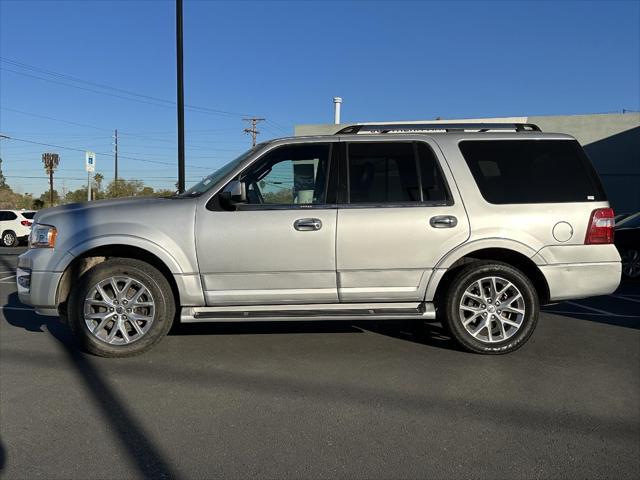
x=337, y=101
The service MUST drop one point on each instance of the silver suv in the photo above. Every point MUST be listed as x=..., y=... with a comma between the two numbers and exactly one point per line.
x=475, y=225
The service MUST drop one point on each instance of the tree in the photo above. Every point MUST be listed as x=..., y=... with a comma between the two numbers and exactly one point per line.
x=3, y=180
x=98, y=178
x=56, y=198
x=165, y=192
x=76, y=196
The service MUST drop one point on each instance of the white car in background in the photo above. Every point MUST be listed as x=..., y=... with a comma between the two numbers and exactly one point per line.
x=15, y=226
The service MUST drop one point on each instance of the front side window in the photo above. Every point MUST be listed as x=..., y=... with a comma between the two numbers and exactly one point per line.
x=402, y=172
x=290, y=175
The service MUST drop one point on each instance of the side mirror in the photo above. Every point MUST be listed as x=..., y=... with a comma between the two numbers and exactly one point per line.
x=234, y=192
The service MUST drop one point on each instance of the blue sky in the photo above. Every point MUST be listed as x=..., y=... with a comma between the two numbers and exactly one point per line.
x=285, y=61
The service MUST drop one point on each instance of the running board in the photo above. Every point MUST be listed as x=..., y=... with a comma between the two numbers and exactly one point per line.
x=310, y=312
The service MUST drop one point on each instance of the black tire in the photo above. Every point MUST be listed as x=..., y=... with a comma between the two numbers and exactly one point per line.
x=9, y=239
x=630, y=264
x=139, y=271
x=467, y=276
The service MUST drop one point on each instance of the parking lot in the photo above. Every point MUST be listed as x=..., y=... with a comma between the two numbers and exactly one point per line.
x=318, y=400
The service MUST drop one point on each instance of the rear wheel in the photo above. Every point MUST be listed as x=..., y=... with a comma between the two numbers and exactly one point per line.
x=491, y=308
x=9, y=239
x=121, y=307
x=631, y=263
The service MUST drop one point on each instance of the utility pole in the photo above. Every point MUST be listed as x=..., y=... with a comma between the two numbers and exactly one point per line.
x=51, y=162
x=253, y=131
x=115, y=157
x=180, y=94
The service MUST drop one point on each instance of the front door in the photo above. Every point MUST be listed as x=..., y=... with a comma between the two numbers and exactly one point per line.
x=279, y=247
x=399, y=216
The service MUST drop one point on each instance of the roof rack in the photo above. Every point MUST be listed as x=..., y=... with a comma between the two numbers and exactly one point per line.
x=378, y=128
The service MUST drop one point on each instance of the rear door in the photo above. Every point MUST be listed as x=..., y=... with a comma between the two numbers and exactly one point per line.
x=399, y=213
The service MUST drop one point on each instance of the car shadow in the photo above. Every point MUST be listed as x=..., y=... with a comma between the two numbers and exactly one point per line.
x=424, y=333
x=428, y=333
x=145, y=455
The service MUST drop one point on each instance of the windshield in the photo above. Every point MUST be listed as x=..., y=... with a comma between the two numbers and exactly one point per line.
x=208, y=182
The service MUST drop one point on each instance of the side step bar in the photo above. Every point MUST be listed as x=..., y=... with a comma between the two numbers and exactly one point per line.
x=311, y=312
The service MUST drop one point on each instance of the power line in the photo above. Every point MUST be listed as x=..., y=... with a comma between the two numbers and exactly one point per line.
x=55, y=119
x=279, y=127
x=165, y=140
x=100, y=153
x=138, y=96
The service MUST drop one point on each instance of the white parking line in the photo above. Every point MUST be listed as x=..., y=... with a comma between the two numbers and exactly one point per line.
x=597, y=310
x=595, y=314
x=623, y=297
x=17, y=308
x=7, y=278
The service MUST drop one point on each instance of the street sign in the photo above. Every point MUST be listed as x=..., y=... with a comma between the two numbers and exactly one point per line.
x=90, y=161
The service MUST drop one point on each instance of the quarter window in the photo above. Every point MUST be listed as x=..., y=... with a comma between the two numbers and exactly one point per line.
x=532, y=171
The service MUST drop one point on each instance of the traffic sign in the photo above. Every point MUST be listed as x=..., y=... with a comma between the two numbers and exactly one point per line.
x=90, y=161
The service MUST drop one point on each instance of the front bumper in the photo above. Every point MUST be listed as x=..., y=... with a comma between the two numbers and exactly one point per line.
x=580, y=280
x=37, y=282
x=38, y=289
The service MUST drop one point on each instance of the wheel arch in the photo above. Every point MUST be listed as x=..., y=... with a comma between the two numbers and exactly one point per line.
x=516, y=257
x=96, y=255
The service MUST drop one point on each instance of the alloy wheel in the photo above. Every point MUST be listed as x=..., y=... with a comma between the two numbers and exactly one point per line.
x=8, y=239
x=492, y=309
x=119, y=310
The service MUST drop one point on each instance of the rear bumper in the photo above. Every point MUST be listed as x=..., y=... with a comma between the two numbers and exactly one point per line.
x=580, y=280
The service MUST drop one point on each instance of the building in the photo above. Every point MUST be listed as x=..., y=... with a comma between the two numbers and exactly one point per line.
x=612, y=141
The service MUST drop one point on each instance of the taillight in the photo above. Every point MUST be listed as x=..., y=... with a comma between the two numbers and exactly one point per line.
x=600, y=228
x=26, y=223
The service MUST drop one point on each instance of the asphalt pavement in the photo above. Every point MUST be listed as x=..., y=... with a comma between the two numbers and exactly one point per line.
x=324, y=400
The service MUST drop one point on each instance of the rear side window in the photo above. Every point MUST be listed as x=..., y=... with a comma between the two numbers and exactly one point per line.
x=532, y=171
x=6, y=216
x=401, y=172
x=434, y=188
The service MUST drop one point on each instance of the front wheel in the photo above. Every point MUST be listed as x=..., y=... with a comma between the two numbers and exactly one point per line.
x=491, y=308
x=120, y=308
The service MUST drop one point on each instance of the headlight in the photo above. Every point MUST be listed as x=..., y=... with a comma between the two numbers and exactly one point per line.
x=42, y=236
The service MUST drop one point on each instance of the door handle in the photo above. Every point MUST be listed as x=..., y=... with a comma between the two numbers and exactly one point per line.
x=443, y=221
x=307, y=224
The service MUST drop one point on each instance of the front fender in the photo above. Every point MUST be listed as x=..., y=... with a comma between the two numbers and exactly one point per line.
x=174, y=263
